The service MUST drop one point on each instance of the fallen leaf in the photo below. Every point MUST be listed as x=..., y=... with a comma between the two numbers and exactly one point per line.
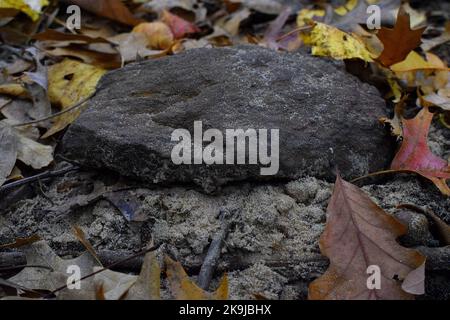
x=414, y=281
x=8, y=154
x=69, y=82
x=345, y=17
x=396, y=122
x=20, y=242
x=272, y=7
x=440, y=99
x=415, y=62
x=360, y=234
x=133, y=46
x=147, y=285
x=81, y=236
x=33, y=153
x=429, y=44
x=96, y=58
x=65, y=39
x=112, y=9
x=330, y=41
x=15, y=175
x=399, y=41
x=18, y=66
x=275, y=27
x=32, y=8
x=121, y=286
x=14, y=89
x=349, y=17
x=415, y=154
x=193, y=6
x=115, y=285
x=180, y=27
x=159, y=35
x=232, y=25
x=54, y=273
x=184, y=288
x=306, y=15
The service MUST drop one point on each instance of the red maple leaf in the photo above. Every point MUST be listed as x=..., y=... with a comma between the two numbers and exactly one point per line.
x=415, y=154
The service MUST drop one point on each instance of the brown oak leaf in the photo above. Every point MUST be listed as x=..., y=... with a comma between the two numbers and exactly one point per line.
x=359, y=236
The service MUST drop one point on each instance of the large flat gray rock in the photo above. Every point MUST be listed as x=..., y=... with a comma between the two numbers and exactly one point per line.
x=326, y=117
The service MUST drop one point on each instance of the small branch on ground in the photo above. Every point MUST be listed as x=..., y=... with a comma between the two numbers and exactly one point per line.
x=38, y=177
x=212, y=257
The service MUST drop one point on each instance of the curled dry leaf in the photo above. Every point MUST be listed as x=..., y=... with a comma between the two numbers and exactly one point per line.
x=96, y=58
x=32, y=8
x=133, y=46
x=359, y=234
x=70, y=81
x=400, y=41
x=61, y=39
x=20, y=242
x=415, y=154
x=112, y=285
x=396, y=122
x=14, y=89
x=81, y=236
x=232, y=25
x=415, y=62
x=180, y=27
x=440, y=99
x=32, y=153
x=159, y=35
x=429, y=44
x=112, y=9
x=147, y=285
x=330, y=41
x=183, y=288
x=8, y=147
x=194, y=6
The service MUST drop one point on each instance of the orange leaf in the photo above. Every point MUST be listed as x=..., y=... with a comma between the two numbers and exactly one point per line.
x=180, y=27
x=112, y=9
x=183, y=288
x=359, y=235
x=400, y=41
x=415, y=154
x=159, y=35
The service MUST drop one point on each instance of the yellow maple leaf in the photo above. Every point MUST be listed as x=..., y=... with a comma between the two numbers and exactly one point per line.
x=32, y=8
x=69, y=82
x=332, y=42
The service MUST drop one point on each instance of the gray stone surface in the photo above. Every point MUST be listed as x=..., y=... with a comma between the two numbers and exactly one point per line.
x=326, y=117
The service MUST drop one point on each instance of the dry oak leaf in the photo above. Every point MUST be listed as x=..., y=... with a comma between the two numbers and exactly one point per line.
x=183, y=288
x=415, y=154
x=359, y=234
x=54, y=274
x=400, y=41
x=112, y=9
x=111, y=285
